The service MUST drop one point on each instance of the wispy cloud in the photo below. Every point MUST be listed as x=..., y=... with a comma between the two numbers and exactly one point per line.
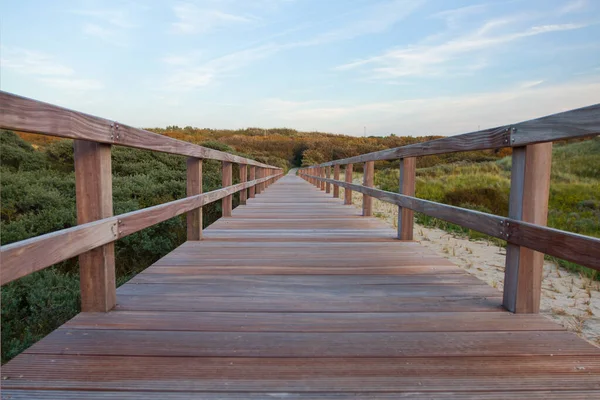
x=573, y=6
x=193, y=19
x=451, y=55
x=35, y=63
x=111, y=25
x=373, y=19
x=454, y=17
x=45, y=69
x=190, y=75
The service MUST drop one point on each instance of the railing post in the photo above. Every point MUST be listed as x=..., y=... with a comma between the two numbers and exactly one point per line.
x=529, y=191
x=328, y=176
x=348, y=179
x=369, y=171
x=407, y=187
x=322, y=175
x=243, y=178
x=226, y=203
x=252, y=189
x=259, y=174
x=93, y=191
x=336, y=176
x=194, y=187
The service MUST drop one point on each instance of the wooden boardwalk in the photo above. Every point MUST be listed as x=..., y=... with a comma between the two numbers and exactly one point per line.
x=298, y=296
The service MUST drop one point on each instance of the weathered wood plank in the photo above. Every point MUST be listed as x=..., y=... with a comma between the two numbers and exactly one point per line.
x=93, y=190
x=536, y=190
x=555, y=394
x=194, y=187
x=336, y=177
x=252, y=189
x=408, y=169
x=243, y=178
x=348, y=179
x=436, y=375
x=226, y=180
x=313, y=345
x=368, y=179
x=312, y=322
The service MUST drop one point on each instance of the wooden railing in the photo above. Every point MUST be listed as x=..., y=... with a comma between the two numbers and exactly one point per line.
x=524, y=230
x=97, y=230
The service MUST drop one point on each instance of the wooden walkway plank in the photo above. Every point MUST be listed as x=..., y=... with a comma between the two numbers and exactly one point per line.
x=298, y=296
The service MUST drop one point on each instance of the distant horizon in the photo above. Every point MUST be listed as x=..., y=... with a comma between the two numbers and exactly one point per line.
x=428, y=67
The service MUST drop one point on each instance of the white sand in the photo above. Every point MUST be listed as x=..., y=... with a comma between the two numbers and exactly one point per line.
x=567, y=297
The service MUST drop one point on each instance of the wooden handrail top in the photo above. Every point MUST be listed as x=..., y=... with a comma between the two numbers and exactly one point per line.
x=22, y=114
x=27, y=256
x=578, y=123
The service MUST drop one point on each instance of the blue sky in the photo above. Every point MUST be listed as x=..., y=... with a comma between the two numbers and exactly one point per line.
x=409, y=67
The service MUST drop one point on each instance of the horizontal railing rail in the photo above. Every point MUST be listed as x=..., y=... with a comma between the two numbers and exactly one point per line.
x=580, y=249
x=524, y=229
x=31, y=116
x=27, y=256
x=97, y=230
x=580, y=123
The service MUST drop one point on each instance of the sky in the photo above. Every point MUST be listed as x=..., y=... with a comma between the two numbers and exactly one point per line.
x=407, y=67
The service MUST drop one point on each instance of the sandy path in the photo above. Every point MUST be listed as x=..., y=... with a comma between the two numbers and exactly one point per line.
x=567, y=297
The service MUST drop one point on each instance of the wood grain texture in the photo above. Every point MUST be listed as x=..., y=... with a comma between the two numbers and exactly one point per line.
x=515, y=211
x=435, y=377
x=194, y=187
x=580, y=249
x=25, y=257
x=93, y=192
x=243, y=178
x=336, y=177
x=26, y=115
x=226, y=180
x=407, y=181
x=553, y=394
x=348, y=179
x=299, y=296
x=368, y=179
x=328, y=175
x=252, y=189
x=536, y=191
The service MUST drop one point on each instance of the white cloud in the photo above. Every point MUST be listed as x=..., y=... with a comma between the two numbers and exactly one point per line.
x=455, y=16
x=111, y=25
x=32, y=63
x=187, y=74
x=374, y=19
x=573, y=6
x=45, y=69
x=193, y=19
x=438, y=59
x=530, y=84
